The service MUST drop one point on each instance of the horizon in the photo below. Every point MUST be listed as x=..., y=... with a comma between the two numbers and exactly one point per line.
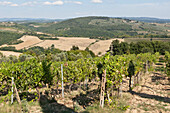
x=78, y=17
x=64, y=9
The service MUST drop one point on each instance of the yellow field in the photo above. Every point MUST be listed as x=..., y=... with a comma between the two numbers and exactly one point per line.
x=65, y=43
x=8, y=53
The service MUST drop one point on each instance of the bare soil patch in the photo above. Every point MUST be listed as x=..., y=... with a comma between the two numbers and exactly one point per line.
x=29, y=41
x=8, y=53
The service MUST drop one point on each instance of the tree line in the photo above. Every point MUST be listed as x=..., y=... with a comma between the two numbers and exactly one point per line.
x=120, y=48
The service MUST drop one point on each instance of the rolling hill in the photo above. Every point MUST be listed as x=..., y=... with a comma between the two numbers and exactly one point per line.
x=148, y=19
x=97, y=27
x=27, y=20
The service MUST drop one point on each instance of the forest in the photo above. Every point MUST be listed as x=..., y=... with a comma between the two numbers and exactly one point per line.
x=9, y=37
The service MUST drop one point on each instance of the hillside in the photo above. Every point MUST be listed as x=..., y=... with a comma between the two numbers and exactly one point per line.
x=8, y=37
x=96, y=27
x=148, y=19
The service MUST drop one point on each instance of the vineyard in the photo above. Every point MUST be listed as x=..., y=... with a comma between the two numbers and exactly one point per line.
x=31, y=77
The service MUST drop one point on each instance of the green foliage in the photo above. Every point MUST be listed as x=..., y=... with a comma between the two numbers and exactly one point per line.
x=1, y=55
x=9, y=37
x=47, y=75
x=91, y=52
x=33, y=72
x=15, y=42
x=140, y=47
x=118, y=48
x=167, y=58
x=10, y=48
x=131, y=69
x=75, y=48
x=103, y=28
x=43, y=38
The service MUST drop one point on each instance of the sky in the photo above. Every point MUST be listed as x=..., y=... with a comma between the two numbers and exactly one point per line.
x=62, y=9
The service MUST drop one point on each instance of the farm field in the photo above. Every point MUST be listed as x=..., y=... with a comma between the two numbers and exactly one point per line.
x=29, y=41
x=65, y=43
x=8, y=53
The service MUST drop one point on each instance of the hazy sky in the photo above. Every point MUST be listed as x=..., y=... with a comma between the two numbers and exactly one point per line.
x=77, y=8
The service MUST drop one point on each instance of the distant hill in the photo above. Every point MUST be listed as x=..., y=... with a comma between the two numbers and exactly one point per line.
x=44, y=20
x=149, y=20
x=93, y=27
x=26, y=20
x=103, y=27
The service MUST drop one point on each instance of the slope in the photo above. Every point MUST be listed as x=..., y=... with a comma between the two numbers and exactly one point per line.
x=99, y=27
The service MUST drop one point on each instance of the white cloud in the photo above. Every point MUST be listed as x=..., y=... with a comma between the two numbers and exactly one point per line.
x=97, y=1
x=74, y=2
x=54, y=3
x=77, y=2
x=5, y=3
x=28, y=3
x=15, y=5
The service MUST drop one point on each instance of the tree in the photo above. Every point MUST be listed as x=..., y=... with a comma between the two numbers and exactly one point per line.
x=75, y=48
x=124, y=47
x=131, y=72
x=1, y=55
x=115, y=48
x=91, y=52
x=168, y=68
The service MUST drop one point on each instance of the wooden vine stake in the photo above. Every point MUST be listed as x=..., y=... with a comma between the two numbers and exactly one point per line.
x=14, y=88
x=17, y=94
x=62, y=80
x=146, y=66
x=102, y=89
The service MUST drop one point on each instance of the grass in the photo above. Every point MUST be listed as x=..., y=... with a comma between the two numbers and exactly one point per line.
x=8, y=108
x=129, y=40
x=168, y=93
x=148, y=107
x=157, y=82
x=97, y=109
x=118, y=105
x=159, y=106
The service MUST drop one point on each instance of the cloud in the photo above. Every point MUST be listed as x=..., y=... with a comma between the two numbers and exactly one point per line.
x=28, y=3
x=144, y=4
x=14, y=5
x=74, y=2
x=5, y=3
x=54, y=3
x=97, y=1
